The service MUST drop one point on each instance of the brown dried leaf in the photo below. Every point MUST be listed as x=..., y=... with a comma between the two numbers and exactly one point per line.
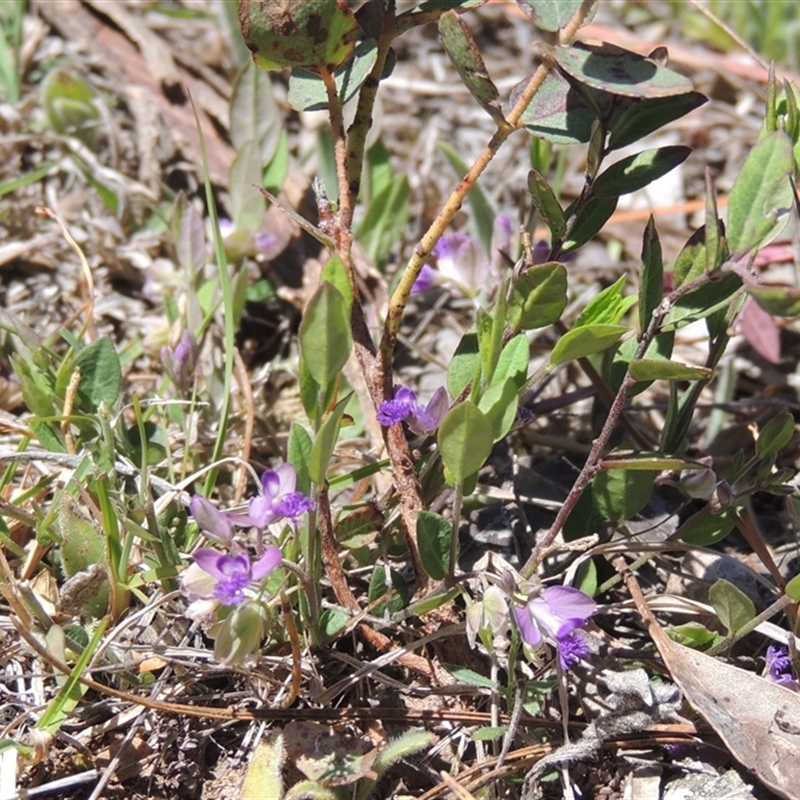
x=758, y=720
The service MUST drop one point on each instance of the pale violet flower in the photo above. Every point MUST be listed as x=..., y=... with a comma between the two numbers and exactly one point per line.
x=224, y=579
x=214, y=523
x=422, y=419
x=552, y=615
x=181, y=363
x=779, y=668
x=390, y=412
x=278, y=500
x=462, y=261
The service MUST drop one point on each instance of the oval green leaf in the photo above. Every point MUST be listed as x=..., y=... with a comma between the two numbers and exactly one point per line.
x=538, y=297
x=434, y=536
x=637, y=171
x=584, y=341
x=325, y=338
x=465, y=440
x=613, y=69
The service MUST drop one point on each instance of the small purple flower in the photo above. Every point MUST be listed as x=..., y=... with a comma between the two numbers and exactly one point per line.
x=213, y=522
x=463, y=261
x=553, y=615
x=779, y=668
x=181, y=363
x=277, y=501
x=422, y=419
x=426, y=278
x=221, y=577
x=402, y=405
x=427, y=419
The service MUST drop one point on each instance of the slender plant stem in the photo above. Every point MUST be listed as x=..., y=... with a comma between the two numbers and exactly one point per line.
x=422, y=251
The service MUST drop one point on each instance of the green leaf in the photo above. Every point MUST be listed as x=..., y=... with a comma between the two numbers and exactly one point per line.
x=466, y=57
x=620, y=494
x=335, y=272
x=637, y=171
x=378, y=588
x=621, y=356
x=780, y=300
x=608, y=307
x=404, y=746
x=584, y=519
x=472, y=678
x=464, y=364
x=307, y=90
x=612, y=69
x=265, y=767
x=432, y=602
x=538, y=297
x=332, y=621
x=254, y=113
x=652, y=369
x=325, y=338
x=775, y=435
x=69, y=104
x=734, y=608
x=586, y=577
x=708, y=530
x=793, y=588
x=434, y=535
x=324, y=443
x=298, y=454
x=553, y=15
x=649, y=115
x=692, y=261
x=513, y=361
x=761, y=200
x=385, y=220
x=101, y=375
x=488, y=733
x=248, y=205
x=559, y=114
x=584, y=341
x=499, y=403
x=546, y=203
x=312, y=34
x=83, y=545
x=465, y=440
x=691, y=634
x=589, y=221
x=483, y=212
x=703, y=301
x=651, y=283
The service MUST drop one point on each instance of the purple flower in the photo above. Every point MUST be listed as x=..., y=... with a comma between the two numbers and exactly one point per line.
x=224, y=578
x=277, y=501
x=572, y=649
x=390, y=412
x=463, y=261
x=422, y=419
x=181, y=363
x=426, y=278
x=213, y=522
x=427, y=419
x=779, y=668
x=553, y=615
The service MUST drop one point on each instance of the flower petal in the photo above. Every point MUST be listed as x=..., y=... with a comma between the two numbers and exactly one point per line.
x=214, y=523
x=528, y=628
x=267, y=563
x=287, y=479
x=208, y=559
x=197, y=584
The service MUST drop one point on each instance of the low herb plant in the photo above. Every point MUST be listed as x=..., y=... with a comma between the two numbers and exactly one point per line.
x=139, y=509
